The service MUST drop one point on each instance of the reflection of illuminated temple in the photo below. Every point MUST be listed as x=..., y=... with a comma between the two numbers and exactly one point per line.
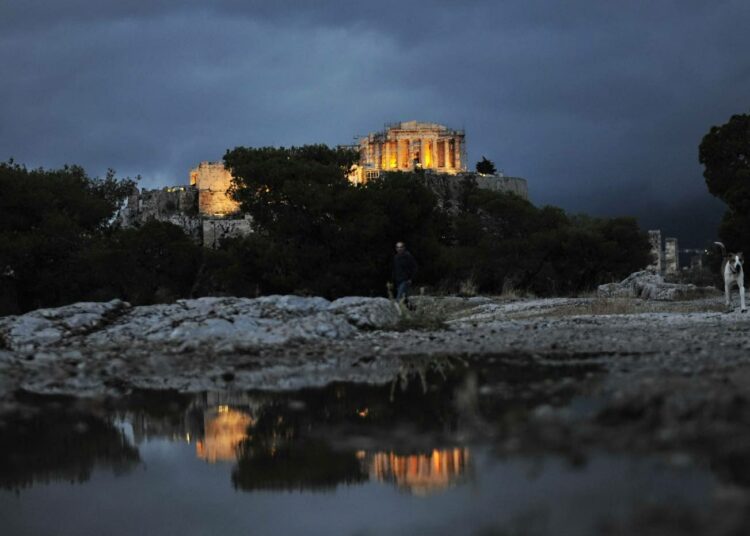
x=419, y=473
x=224, y=428
x=272, y=448
x=411, y=145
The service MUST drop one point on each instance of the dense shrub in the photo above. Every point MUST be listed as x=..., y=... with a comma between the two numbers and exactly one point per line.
x=47, y=218
x=316, y=233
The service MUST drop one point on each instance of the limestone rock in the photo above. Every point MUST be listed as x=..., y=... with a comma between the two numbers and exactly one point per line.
x=367, y=313
x=213, y=322
x=45, y=327
x=649, y=285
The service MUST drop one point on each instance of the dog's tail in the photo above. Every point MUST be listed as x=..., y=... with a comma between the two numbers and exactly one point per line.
x=723, y=249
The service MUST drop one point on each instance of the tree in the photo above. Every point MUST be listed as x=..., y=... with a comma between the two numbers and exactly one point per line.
x=307, y=214
x=46, y=217
x=486, y=167
x=725, y=154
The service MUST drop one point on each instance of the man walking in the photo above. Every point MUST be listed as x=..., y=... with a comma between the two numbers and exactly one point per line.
x=404, y=269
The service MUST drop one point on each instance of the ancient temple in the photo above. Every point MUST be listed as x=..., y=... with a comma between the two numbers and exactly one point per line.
x=411, y=145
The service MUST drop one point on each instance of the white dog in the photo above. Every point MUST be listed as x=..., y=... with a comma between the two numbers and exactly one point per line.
x=731, y=269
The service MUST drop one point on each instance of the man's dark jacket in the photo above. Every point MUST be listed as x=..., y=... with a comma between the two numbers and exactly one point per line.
x=404, y=267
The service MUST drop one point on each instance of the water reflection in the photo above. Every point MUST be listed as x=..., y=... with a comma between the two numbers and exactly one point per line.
x=224, y=429
x=313, y=439
x=420, y=474
x=274, y=452
x=55, y=443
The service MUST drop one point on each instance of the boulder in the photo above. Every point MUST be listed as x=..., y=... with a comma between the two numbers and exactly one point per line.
x=367, y=313
x=211, y=322
x=649, y=285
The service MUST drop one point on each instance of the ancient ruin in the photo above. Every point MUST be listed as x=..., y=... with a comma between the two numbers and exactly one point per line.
x=436, y=150
x=654, y=237
x=208, y=214
x=203, y=209
x=671, y=256
x=666, y=260
x=212, y=181
x=411, y=145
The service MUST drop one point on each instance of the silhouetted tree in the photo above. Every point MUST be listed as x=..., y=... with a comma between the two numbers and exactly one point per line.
x=725, y=154
x=486, y=167
x=47, y=217
x=318, y=233
x=154, y=263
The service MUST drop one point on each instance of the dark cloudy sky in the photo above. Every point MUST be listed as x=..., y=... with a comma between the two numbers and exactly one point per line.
x=601, y=105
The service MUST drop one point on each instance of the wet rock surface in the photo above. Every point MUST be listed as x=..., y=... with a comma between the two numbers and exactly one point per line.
x=533, y=377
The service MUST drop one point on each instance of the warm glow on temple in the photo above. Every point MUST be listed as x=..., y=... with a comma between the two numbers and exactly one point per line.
x=212, y=181
x=224, y=429
x=419, y=474
x=410, y=145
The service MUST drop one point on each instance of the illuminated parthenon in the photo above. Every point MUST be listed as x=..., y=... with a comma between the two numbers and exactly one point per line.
x=411, y=145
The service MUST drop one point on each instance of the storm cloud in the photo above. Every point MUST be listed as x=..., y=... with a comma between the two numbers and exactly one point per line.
x=599, y=105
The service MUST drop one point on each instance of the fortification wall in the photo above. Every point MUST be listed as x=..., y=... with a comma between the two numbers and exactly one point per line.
x=216, y=203
x=212, y=181
x=177, y=205
x=501, y=183
x=215, y=230
x=447, y=187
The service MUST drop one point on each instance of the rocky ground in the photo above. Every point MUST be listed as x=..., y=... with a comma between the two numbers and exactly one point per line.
x=667, y=377
x=287, y=342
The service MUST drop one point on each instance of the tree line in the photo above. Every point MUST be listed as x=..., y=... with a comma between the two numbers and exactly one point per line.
x=315, y=234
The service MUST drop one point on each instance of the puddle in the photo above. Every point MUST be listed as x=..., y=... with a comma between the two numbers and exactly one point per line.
x=414, y=457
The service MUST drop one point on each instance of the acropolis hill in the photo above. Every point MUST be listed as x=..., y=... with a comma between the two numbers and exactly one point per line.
x=205, y=211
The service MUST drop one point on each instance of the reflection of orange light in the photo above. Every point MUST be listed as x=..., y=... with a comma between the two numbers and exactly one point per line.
x=420, y=473
x=225, y=428
x=363, y=412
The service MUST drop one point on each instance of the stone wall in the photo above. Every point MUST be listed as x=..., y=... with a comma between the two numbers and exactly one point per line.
x=447, y=188
x=501, y=183
x=177, y=205
x=216, y=229
x=212, y=181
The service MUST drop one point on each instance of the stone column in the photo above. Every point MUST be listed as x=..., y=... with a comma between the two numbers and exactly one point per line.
x=447, y=153
x=387, y=150
x=654, y=237
x=671, y=256
x=457, y=152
